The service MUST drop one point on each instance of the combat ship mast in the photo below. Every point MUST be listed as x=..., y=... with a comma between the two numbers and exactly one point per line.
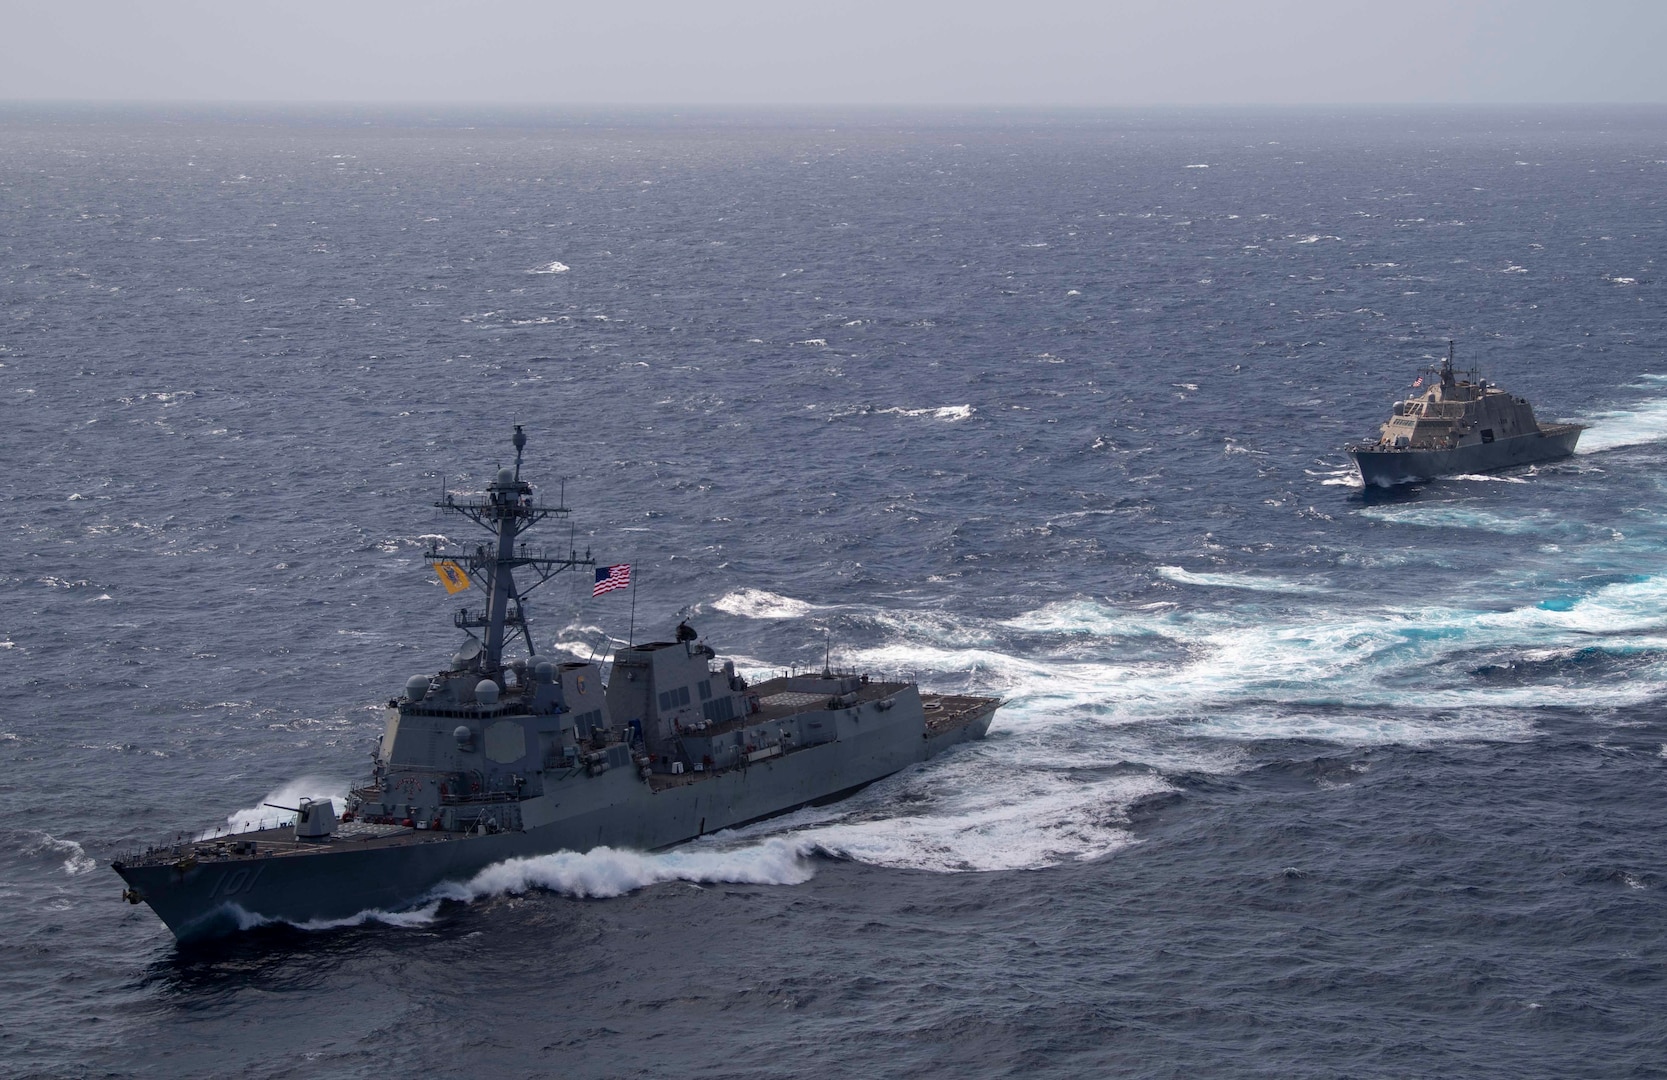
x=507, y=511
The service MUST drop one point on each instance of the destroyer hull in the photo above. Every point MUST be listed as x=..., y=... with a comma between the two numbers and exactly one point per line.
x=337, y=879
x=1386, y=468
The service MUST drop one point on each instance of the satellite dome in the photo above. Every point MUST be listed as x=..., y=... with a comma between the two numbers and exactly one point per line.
x=544, y=671
x=463, y=735
x=506, y=477
x=486, y=692
x=416, y=688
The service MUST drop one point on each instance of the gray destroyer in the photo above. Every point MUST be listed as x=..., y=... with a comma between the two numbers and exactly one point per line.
x=495, y=758
x=1457, y=426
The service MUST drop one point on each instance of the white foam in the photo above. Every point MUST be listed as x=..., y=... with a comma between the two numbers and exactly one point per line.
x=76, y=859
x=550, y=268
x=605, y=871
x=1458, y=516
x=1023, y=801
x=1036, y=818
x=599, y=873
x=1079, y=617
x=945, y=412
x=1483, y=478
x=1387, y=728
x=1355, y=658
x=1236, y=581
x=1644, y=423
x=421, y=915
x=760, y=604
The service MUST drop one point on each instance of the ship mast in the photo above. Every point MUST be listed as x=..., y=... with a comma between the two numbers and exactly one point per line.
x=506, y=512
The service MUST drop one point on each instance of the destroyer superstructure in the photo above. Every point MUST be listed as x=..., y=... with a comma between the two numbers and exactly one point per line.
x=1457, y=426
x=495, y=758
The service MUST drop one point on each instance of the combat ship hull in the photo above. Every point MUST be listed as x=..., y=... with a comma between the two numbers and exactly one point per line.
x=1459, y=426
x=489, y=761
x=1386, y=467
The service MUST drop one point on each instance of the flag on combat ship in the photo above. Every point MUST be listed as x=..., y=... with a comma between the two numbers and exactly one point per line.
x=609, y=578
x=451, y=576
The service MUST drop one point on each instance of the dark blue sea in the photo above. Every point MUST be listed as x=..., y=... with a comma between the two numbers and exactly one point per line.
x=1292, y=779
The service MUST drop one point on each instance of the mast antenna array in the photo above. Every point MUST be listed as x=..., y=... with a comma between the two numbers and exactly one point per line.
x=506, y=511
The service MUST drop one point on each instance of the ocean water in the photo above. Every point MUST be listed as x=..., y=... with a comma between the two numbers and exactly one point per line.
x=1292, y=779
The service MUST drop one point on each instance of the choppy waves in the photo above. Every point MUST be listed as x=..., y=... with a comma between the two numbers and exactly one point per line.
x=1106, y=705
x=1645, y=422
x=67, y=855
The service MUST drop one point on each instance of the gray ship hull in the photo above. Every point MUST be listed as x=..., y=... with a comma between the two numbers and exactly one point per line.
x=204, y=894
x=494, y=758
x=1386, y=468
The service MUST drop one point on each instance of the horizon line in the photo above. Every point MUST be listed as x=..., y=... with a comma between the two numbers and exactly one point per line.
x=780, y=106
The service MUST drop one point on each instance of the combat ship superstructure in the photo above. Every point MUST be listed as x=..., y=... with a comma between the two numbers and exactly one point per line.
x=495, y=758
x=1459, y=425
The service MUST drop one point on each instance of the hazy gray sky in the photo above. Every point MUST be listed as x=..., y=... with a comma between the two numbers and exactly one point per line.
x=971, y=52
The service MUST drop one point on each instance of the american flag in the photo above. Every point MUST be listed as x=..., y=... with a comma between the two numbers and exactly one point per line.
x=609, y=578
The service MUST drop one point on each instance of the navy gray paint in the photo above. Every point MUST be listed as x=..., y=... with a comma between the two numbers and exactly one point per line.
x=1458, y=426
x=492, y=759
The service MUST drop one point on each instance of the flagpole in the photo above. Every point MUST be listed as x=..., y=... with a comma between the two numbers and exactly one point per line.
x=631, y=635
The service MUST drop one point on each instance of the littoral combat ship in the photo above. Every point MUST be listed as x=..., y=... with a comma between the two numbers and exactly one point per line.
x=1459, y=426
x=495, y=758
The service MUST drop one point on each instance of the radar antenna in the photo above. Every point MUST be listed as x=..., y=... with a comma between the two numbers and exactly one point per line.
x=507, y=511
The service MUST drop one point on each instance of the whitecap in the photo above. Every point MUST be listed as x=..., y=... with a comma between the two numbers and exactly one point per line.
x=76, y=860
x=1086, y=617
x=946, y=412
x=760, y=604
x=1235, y=581
x=550, y=268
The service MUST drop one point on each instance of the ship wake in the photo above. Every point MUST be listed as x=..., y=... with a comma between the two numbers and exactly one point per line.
x=606, y=872
x=600, y=873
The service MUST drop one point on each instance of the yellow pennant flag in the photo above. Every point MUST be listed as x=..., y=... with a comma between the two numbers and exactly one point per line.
x=452, y=576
